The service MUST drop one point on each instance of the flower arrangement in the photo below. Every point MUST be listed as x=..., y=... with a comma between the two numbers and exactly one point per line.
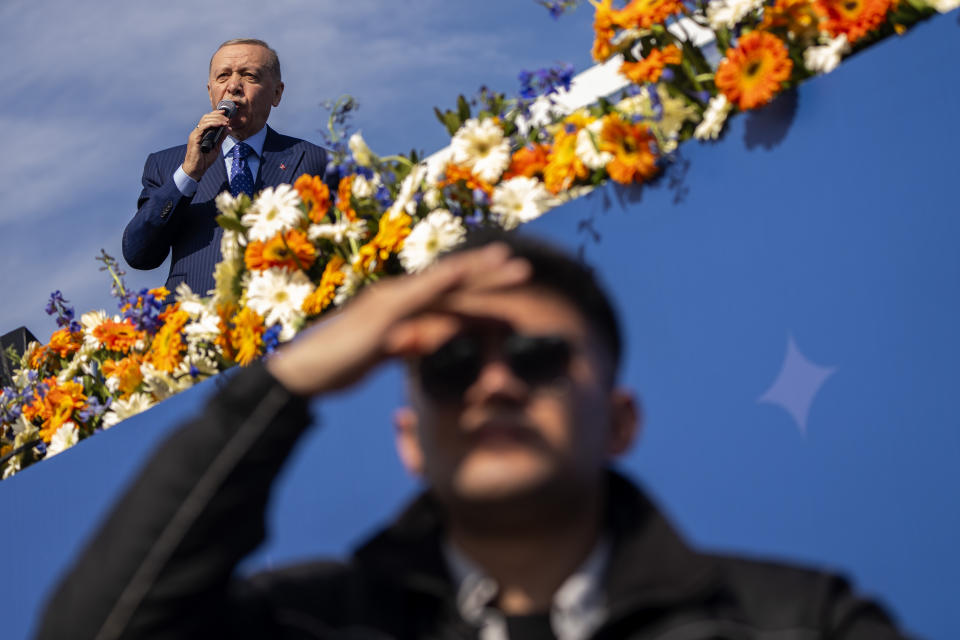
x=297, y=251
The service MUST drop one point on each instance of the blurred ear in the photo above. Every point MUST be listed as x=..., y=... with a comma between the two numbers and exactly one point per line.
x=627, y=420
x=407, y=440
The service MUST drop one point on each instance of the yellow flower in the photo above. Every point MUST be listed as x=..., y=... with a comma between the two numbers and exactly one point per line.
x=323, y=295
x=564, y=166
x=246, y=337
x=166, y=350
x=126, y=372
x=392, y=232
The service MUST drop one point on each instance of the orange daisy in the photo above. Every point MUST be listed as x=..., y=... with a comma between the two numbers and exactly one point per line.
x=344, y=191
x=604, y=19
x=290, y=250
x=118, y=336
x=58, y=405
x=797, y=17
x=528, y=161
x=752, y=73
x=651, y=67
x=127, y=373
x=315, y=194
x=643, y=14
x=454, y=173
x=323, y=295
x=632, y=148
x=64, y=342
x=855, y=18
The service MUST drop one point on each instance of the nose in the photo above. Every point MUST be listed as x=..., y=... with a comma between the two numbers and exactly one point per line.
x=234, y=86
x=497, y=383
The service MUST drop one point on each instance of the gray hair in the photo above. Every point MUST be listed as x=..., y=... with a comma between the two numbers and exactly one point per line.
x=273, y=61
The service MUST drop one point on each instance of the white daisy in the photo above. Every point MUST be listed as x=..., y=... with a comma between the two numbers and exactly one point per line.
x=587, y=151
x=438, y=232
x=482, y=148
x=437, y=165
x=360, y=151
x=944, y=6
x=228, y=205
x=63, y=438
x=274, y=210
x=90, y=321
x=231, y=245
x=432, y=198
x=338, y=232
x=825, y=58
x=519, y=200
x=727, y=13
x=363, y=188
x=713, y=118
x=121, y=409
x=409, y=186
x=350, y=285
x=277, y=296
x=205, y=327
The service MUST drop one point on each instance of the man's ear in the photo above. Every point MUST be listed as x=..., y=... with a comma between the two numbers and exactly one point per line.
x=626, y=417
x=278, y=94
x=407, y=440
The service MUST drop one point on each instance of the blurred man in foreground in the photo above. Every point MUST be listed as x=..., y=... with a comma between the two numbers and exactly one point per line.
x=523, y=530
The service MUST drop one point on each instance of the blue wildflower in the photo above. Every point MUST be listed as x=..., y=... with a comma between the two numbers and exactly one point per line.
x=271, y=338
x=41, y=448
x=480, y=198
x=94, y=409
x=58, y=306
x=546, y=81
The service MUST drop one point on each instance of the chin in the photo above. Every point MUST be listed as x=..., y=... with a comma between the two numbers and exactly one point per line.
x=502, y=478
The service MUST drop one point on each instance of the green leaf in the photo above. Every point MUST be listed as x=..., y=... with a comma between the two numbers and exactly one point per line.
x=463, y=109
x=230, y=223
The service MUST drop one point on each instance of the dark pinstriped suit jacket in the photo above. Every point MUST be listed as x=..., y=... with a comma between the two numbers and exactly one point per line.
x=166, y=220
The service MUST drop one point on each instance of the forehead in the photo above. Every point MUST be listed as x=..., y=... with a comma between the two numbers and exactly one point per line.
x=240, y=55
x=525, y=310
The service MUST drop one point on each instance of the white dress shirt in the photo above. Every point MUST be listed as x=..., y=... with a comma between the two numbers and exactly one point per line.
x=188, y=186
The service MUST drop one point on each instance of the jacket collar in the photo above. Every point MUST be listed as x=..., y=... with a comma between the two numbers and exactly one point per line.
x=650, y=566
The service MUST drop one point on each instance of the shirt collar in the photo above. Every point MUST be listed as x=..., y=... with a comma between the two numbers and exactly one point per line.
x=578, y=605
x=255, y=142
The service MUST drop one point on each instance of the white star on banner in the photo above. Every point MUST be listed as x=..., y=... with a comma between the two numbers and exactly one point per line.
x=797, y=384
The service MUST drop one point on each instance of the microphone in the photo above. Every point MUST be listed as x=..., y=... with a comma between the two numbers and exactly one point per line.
x=211, y=136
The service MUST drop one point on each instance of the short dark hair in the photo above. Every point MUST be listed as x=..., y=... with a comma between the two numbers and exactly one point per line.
x=559, y=272
x=273, y=62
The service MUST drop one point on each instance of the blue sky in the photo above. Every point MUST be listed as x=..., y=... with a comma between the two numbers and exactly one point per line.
x=91, y=88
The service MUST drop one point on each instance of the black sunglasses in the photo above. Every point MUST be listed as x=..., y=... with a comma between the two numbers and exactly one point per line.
x=449, y=371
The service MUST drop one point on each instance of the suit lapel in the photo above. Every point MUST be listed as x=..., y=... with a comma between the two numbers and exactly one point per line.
x=277, y=166
x=213, y=181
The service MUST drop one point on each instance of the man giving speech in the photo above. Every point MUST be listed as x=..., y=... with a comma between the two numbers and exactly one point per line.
x=176, y=210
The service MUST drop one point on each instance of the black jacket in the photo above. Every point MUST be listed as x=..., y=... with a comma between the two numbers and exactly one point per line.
x=162, y=564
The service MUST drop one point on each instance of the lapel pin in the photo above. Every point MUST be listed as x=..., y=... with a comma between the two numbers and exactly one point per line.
x=283, y=166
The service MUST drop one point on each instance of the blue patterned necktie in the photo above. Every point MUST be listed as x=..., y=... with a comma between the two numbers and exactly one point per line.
x=241, y=180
